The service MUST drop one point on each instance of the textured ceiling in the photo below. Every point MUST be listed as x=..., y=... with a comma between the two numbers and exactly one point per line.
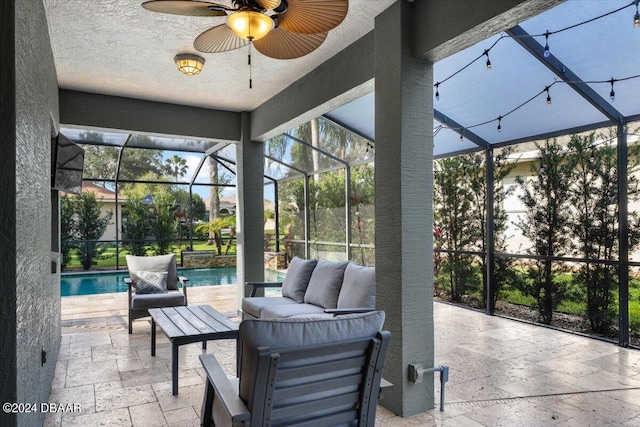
x=116, y=47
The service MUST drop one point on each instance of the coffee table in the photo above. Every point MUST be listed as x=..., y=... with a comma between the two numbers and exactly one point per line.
x=189, y=324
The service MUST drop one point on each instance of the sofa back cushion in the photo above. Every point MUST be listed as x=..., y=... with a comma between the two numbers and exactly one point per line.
x=325, y=283
x=358, y=287
x=156, y=264
x=297, y=279
x=281, y=334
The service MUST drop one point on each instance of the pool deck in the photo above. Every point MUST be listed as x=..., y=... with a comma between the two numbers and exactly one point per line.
x=502, y=372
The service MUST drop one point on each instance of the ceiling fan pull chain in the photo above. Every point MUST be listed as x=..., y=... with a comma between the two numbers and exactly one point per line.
x=250, y=76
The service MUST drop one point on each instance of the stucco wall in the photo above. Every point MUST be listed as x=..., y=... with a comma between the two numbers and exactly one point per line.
x=30, y=293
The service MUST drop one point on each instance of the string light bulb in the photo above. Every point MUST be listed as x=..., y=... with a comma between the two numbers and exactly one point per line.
x=548, y=95
x=612, y=94
x=499, y=123
x=461, y=135
x=546, y=52
x=636, y=18
x=486, y=53
x=437, y=85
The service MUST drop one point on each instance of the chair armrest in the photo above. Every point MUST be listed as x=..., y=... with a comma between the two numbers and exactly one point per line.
x=340, y=311
x=261, y=285
x=128, y=281
x=228, y=396
x=183, y=282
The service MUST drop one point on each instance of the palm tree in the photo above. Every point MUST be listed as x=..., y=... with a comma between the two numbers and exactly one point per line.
x=176, y=166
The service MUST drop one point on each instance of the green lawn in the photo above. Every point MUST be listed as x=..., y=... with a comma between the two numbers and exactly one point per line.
x=107, y=256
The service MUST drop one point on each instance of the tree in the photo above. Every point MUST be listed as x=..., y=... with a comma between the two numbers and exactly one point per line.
x=214, y=197
x=452, y=216
x=101, y=160
x=594, y=196
x=68, y=230
x=135, y=224
x=163, y=222
x=547, y=224
x=90, y=224
x=176, y=166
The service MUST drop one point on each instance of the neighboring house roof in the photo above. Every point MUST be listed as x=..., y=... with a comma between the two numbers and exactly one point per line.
x=101, y=193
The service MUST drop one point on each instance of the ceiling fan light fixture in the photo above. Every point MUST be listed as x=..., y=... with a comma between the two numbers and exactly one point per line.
x=189, y=64
x=250, y=25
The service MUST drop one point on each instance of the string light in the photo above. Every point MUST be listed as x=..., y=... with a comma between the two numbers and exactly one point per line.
x=548, y=95
x=546, y=52
x=486, y=52
x=612, y=94
x=499, y=123
x=461, y=135
x=546, y=34
x=437, y=85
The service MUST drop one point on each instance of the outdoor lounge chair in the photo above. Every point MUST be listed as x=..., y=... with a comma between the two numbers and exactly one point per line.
x=153, y=283
x=320, y=372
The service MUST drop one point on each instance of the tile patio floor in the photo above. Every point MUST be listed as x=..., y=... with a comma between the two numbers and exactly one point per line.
x=502, y=372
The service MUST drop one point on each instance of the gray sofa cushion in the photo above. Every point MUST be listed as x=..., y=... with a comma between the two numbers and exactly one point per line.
x=325, y=283
x=358, y=287
x=146, y=301
x=296, y=281
x=158, y=264
x=277, y=311
x=254, y=305
x=280, y=334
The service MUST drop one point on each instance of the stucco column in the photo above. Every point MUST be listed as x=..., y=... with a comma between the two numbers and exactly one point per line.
x=250, y=208
x=404, y=207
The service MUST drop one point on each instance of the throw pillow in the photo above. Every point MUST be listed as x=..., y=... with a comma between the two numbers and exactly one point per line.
x=325, y=283
x=358, y=287
x=150, y=282
x=297, y=279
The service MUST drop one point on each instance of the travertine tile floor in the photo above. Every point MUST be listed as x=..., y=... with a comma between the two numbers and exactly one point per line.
x=502, y=372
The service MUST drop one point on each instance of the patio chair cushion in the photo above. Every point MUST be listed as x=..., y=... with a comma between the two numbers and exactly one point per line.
x=325, y=283
x=255, y=305
x=358, y=287
x=297, y=279
x=150, y=282
x=158, y=264
x=146, y=301
x=280, y=334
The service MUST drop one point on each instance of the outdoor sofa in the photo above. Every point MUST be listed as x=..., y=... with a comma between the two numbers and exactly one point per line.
x=315, y=288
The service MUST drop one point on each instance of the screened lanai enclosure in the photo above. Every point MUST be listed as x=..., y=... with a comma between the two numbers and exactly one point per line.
x=536, y=197
x=154, y=195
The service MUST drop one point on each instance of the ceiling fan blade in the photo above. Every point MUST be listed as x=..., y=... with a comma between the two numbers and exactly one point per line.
x=281, y=44
x=313, y=16
x=186, y=7
x=269, y=4
x=218, y=39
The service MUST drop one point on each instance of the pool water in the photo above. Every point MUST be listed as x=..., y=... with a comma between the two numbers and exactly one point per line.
x=103, y=283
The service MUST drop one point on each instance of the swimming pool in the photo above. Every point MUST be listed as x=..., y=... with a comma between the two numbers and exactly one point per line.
x=108, y=282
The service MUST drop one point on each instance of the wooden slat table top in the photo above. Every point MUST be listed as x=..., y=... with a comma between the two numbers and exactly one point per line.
x=192, y=321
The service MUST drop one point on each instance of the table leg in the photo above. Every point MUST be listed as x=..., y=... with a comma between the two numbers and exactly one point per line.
x=174, y=368
x=204, y=346
x=153, y=337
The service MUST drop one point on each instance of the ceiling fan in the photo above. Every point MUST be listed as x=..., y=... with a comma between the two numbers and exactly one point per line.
x=280, y=29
